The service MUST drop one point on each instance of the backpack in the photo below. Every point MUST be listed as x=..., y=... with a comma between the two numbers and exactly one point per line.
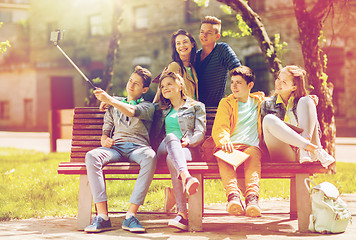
x=329, y=211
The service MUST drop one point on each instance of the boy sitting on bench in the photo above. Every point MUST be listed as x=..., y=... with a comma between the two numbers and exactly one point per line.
x=130, y=121
x=237, y=126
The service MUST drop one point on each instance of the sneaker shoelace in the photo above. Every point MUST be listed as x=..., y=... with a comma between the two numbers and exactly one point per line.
x=251, y=198
x=232, y=196
x=133, y=219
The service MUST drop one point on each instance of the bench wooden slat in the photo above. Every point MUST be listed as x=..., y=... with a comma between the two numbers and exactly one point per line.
x=77, y=132
x=80, y=110
x=80, y=149
x=89, y=116
x=97, y=121
x=86, y=137
x=87, y=127
x=86, y=143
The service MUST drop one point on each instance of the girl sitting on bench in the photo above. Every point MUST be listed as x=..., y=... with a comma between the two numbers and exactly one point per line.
x=181, y=124
x=292, y=107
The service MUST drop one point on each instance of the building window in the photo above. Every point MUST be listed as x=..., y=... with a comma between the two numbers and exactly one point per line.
x=140, y=17
x=96, y=26
x=258, y=65
x=192, y=11
x=5, y=17
x=4, y=110
x=336, y=61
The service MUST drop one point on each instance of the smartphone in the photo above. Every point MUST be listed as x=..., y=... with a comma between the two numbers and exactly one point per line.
x=56, y=36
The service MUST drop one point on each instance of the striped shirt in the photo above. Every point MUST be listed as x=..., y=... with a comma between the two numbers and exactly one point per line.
x=213, y=71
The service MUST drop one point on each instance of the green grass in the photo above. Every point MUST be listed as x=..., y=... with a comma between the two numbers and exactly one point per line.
x=31, y=187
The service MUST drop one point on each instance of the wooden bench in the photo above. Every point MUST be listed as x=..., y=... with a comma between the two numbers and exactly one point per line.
x=87, y=124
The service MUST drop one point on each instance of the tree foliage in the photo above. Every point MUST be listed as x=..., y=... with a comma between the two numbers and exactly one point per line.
x=4, y=45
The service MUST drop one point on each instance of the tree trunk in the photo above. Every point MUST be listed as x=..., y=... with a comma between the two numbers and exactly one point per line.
x=310, y=24
x=253, y=20
x=106, y=83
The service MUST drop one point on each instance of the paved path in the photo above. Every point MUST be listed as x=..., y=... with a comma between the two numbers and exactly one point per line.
x=345, y=147
x=273, y=225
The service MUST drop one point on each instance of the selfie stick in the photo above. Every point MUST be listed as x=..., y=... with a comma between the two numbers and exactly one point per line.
x=55, y=42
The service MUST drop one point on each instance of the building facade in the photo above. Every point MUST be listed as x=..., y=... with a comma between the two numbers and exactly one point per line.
x=44, y=80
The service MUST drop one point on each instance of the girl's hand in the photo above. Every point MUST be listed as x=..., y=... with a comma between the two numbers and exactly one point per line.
x=165, y=71
x=185, y=142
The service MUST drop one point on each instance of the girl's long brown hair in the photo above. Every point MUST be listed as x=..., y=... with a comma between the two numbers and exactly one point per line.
x=175, y=55
x=299, y=79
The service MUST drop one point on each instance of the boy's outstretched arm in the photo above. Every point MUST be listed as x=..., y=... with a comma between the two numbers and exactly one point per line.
x=126, y=109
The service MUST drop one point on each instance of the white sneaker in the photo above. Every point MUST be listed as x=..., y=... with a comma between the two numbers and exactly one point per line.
x=304, y=156
x=324, y=158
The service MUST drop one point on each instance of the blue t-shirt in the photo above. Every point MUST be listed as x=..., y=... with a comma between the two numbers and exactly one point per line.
x=246, y=131
x=212, y=73
x=171, y=124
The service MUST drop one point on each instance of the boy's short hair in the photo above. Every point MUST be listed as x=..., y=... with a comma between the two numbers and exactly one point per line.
x=145, y=74
x=216, y=22
x=245, y=72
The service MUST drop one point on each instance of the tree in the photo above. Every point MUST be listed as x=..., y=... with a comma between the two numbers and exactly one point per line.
x=310, y=24
x=106, y=81
x=254, y=21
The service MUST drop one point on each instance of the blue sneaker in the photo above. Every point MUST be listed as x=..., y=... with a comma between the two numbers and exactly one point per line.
x=98, y=225
x=133, y=225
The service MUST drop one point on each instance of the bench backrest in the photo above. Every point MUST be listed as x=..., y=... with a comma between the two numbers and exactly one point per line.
x=87, y=130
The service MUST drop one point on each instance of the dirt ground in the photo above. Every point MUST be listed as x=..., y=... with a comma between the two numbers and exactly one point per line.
x=274, y=224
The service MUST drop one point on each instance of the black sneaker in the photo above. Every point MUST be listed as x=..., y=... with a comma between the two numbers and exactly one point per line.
x=235, y=205
x=179, y=222
x=252, y=207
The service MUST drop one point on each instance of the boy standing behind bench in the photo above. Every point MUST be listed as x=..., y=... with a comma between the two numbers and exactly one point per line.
x=213, y=63
x=129, y=119
x=237, y=126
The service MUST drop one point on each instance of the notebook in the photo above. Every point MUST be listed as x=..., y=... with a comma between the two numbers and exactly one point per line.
x=235, y=158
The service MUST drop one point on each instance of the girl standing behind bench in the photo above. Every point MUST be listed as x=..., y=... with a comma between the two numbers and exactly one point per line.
x=184, y=49
x=291, y=104
x=181, y=123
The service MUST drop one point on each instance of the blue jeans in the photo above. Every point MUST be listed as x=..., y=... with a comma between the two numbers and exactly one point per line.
x=171, y=151
x=142, y=155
